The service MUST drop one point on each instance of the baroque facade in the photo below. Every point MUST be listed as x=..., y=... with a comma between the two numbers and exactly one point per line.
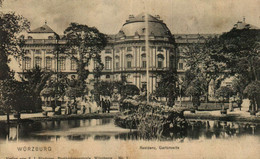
x=125, y=54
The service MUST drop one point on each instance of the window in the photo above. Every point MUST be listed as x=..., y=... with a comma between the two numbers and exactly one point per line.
x=159, y=49
x=180, y=67
x=38, y=61
x=26, y=51
x=73, y=65
x=143, y=48
x=108, y=63
x=29, y=37
x=107, y=76
x=27, y=63
x=143, y=61
x=108, y=51
x=37, y=52
x=143, y=88
x=62, y=63
x=117, y=50
x=143, y=30
x=50, y=37
x=129, y=59
x=160, y=59
x=143, y=64
x=117, y=62
x=117, y=65
x=95, y=63
x=48, y=63
x=48, y=51
x=129, y=48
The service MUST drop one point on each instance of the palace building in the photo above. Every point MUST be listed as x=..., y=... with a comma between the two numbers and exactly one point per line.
x=125, y=54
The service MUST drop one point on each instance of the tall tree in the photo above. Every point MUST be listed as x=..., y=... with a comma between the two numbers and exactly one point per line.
x=83, y=44
x=239, y=49
x=11, y=26
x=35, y=80
x=167, y=86
x=14, y=96
x=202, y=65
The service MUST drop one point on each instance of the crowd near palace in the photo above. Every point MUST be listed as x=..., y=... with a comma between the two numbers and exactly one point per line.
x=125, y=53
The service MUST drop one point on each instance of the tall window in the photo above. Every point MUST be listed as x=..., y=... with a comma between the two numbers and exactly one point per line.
x=108, y=63
x=108, y=51
x=129, y=48
x=159, y=48
x=62, y=63
x=117, y=62
x=180, y=67
x=73, y=64
x=27, y=63
x=129, y=59
x=160, y=59
x=143, y=61
x=48, y=63
x=37, y=51
x=38, y=61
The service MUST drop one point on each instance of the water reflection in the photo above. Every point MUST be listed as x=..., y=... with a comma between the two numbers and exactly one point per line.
x=104, y=129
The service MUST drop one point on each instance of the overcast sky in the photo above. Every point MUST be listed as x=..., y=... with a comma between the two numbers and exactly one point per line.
x=181, y=16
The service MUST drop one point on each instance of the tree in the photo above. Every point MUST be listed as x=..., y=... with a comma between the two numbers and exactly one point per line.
x=167, y=86
x=54, y=89
x=11, y=25
x=35, y=80
x=252, y=91
x=83, y=44
x=10, y=92
x=200, y=60
x=14, y=96
x=240, y=51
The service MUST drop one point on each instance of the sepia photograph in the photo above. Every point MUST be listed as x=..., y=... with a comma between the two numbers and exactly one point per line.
x=129, y=79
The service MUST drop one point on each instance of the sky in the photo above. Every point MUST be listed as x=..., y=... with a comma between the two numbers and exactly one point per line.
x=181, y=16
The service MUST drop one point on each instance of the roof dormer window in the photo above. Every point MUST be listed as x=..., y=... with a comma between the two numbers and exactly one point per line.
x=29, y=37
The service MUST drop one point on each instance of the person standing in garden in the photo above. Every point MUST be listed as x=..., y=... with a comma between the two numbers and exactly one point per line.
x=103, y=105
x=108, y=106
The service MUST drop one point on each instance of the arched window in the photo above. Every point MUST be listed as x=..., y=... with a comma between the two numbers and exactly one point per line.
x=27, y=63
x=38, y=61
x=117, y=62
x=160, y=59
x=48, y=63
x=62, y=63
x=108, y=63
x=129, y=59
x=143, y=57
x=29, y=37
x=73, y=64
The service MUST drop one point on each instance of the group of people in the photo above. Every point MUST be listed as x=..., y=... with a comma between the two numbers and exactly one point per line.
x=105, y=105
x=88, y=106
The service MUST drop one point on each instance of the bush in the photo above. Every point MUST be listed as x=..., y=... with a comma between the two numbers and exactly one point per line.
x=152, y=120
